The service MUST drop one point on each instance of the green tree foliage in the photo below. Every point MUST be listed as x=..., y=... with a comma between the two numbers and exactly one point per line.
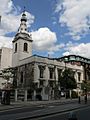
x=7, y=73
x=67, y=80
x=85, y=84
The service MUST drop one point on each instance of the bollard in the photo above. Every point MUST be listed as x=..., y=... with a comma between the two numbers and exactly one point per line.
x=72, y=116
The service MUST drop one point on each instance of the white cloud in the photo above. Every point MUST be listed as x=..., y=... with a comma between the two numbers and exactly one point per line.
x=43, y=38
x=56, y=47
x=6, y=41
x=66, y=53
x=11, y=22
x=10, y=19
x=81, y=49
x=75, y=14
x=6, y=6
x=46, y=40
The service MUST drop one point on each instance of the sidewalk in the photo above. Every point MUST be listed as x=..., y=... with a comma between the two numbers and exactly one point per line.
x=20, y=104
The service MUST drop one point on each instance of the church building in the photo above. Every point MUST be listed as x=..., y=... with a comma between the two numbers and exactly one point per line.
x=36, y=76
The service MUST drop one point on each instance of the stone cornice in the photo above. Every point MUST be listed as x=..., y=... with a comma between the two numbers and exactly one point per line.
x=24, y=36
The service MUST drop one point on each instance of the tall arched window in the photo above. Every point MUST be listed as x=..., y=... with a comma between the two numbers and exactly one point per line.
x=16, y=47
x=25, y=47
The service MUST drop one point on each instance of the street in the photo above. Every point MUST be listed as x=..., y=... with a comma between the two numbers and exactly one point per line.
x=82, y=114
x=53, y=111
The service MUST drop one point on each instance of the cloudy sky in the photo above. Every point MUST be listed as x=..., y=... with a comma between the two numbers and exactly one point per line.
x=58, y=27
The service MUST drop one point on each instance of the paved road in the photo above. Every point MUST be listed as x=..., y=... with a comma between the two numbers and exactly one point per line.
x=33, y=111
x=81, y=114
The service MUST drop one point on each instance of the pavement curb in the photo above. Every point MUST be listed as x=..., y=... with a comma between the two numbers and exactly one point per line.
x=17, y=106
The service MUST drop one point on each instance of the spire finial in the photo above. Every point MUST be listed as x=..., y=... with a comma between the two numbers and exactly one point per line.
x=24, y=9
x=23, y=26
x=23, y=18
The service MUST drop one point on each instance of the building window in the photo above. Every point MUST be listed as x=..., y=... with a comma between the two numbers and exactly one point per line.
x=41, y=73
x=51, y=84
x=21, y=77
x=79, y=76
x=59, y=73
x=16, y=47
x=25, y=29
x=41, y=68
x=25, y=47
x=51, y=71
x=41, y=82
x=88, y=75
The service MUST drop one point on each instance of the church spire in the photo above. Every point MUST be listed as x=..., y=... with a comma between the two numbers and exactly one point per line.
x=24, y=18
x=23, y=25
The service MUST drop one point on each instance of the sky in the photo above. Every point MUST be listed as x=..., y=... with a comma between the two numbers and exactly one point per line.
x=58, y=27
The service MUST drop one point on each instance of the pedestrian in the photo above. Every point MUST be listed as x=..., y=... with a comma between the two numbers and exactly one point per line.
x=85, y=98
x=79, y=98
x=3, y=97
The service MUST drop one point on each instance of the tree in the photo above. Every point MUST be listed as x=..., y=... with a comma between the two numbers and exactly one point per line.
x=67, y=80
x=8, y=74
x=85, y=84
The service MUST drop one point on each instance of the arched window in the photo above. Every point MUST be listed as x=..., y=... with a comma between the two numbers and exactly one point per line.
x=25, y=47
x=16, y=47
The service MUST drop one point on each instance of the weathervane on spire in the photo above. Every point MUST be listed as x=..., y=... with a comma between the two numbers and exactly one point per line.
x=24, y=9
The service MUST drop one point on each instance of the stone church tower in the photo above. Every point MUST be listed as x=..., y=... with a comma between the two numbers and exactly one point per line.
x=22, y=43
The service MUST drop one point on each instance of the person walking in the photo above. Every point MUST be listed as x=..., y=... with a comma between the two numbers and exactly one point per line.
x=79, y=97
x=85, y=97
